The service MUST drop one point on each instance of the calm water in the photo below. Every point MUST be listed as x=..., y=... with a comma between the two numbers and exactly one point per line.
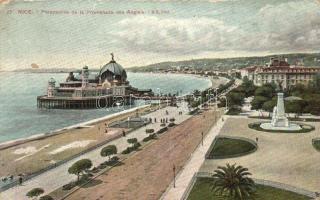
x=20, y=118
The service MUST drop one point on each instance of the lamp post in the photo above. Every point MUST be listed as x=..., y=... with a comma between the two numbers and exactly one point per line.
x=216, y=91
x=174, y=176
x=159, y=92
x=202, y=138
x=225, y=97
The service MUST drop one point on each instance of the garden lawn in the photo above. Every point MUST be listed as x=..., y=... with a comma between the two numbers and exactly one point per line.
x=228, y=147
x=316, y=144
x=202, y=191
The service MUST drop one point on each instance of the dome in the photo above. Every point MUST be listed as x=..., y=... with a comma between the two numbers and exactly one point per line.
x=114, y=68
x=51, y=80
x=113, y=71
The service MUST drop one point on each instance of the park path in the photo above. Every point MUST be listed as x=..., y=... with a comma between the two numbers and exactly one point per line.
x=59, y=176
x=185, y=176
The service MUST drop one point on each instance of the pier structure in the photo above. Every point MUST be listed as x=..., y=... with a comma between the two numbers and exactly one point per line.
x=89, y=90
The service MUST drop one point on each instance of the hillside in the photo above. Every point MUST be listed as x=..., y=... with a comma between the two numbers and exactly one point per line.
x=309, y=59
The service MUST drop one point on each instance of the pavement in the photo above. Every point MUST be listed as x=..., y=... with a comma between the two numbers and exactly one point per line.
x=59, y=176
x=287, y=158
x=184, y=178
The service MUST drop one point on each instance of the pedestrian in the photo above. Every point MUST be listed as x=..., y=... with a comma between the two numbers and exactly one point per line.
x=257, y=139
x=123, y=133
x=155, y=120
x=106, y=131
x=20, y=180
x=166, y=120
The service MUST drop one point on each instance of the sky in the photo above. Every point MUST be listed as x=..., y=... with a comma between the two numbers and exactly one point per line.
x=54, y=33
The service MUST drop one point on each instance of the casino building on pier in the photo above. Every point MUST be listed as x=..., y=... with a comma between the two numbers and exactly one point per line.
x=87, y=89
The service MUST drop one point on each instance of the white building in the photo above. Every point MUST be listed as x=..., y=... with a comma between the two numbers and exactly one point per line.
x=279, y=71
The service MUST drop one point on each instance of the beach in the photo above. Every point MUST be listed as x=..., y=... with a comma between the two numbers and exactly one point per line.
x=33, y=154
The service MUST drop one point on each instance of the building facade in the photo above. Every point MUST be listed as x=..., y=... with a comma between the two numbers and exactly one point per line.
x=279, y=71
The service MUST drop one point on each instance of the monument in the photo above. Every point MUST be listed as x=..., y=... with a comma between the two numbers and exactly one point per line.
x=279, y=120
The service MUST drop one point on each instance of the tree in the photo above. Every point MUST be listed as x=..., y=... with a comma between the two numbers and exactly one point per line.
x=46, y=197
x=235, y=98
x=172, y=119
x=109, y=151
x=258, y=101
x=132, y=141
x=267, y=90
x=233, y=181
x=269, y=105
x=294, y=107
x=80, y=167
x=149, y=131
x=35, y=192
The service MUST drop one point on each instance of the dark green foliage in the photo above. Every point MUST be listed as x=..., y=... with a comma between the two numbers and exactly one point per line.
x=149, y=131
x=171, y=124
x=229, y=147
x=150, y=137
x=234, y=182
x=195, y=111
x=69, y=186
x=108, y=151
x=258, y=102
x=316, y=144
x=135, y=146
x=269, y=105
x=172, y=119
x=132, y=140
x=35, y=192
x=305, y=128
x=202, y=191
x=234, y=111
x=80, y=167
x=46, y=197
x=162, y=130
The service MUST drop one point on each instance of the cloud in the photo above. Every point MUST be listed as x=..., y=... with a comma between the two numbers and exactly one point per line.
x=167, y=35
x=291, y=26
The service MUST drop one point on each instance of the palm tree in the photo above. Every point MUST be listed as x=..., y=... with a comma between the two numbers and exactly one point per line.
x=233, y=181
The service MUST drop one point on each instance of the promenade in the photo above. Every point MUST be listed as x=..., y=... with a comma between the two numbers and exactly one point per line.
x=184, y=178
x=59, y=176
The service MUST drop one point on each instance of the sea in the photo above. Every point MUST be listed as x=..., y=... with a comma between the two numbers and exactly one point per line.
x=20, y=117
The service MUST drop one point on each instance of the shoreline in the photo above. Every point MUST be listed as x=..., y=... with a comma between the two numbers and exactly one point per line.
x=39, y=136
x=12, y=143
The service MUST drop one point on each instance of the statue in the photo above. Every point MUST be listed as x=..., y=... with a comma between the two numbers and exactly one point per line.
x=112, y=56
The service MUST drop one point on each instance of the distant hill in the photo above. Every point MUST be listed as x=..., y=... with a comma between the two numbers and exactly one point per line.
x=309, y=59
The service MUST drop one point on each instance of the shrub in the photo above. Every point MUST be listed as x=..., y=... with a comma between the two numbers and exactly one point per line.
x=150, y=137
x=35, y=192
x=46, y=197
x=136, y=146
x=126, y=151
x=171, y=124
x=162, y=130
x=69, y=186
x=149, y=131
x=172, y=120
x=163, y=124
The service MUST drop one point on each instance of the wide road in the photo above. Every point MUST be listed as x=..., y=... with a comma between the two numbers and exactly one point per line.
x=147, y=174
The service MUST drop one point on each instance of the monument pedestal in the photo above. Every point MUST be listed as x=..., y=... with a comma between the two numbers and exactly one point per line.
x=279, y=120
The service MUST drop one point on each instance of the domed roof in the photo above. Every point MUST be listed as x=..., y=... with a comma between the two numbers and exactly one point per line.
x=114, y=68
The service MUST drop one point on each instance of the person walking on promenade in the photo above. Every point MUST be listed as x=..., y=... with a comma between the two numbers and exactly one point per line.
x=123, y=133
x=20, y=180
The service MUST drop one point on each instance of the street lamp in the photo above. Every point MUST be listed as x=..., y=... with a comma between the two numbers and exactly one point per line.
x=216, y=91
x=225, y=97
x=174, y=176
x=159, y=92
